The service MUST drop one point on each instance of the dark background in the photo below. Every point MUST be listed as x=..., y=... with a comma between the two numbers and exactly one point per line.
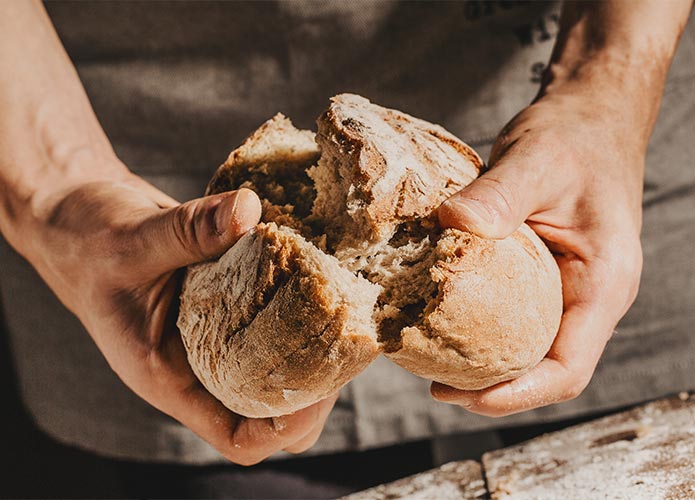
x=33, y=465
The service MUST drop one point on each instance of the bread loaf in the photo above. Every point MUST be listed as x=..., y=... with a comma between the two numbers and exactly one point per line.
x=348, y=262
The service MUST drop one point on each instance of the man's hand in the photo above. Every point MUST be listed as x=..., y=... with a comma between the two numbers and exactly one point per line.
x=110, y=251
x=110, y=245
x=550, y=168
x=571, y=166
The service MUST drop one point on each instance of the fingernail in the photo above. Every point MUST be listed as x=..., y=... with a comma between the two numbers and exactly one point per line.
x=238, y=212
x=474, y=211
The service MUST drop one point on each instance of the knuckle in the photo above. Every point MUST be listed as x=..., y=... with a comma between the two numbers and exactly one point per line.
x=242, y=451
x=255, y=440
x=624, y=261
x=574, y=389
x=571, y=392
x=156, y=372
x=185, y=229
x=630, y=261
x=158, y=367
x=633, y=270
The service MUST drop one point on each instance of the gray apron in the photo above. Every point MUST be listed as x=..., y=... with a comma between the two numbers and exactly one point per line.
x=177, y=86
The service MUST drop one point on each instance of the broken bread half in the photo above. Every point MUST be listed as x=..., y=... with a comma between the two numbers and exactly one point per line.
x=349, y=262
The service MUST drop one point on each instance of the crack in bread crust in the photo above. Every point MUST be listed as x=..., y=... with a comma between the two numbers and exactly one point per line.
x=325, y=332
x=286, y=303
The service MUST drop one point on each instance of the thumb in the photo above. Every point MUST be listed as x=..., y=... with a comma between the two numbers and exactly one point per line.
x=198, y=230
x=494, y=205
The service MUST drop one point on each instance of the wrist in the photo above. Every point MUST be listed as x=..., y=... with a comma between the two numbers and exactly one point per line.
x=607, y=91
x=612, y=58
x=50, y=138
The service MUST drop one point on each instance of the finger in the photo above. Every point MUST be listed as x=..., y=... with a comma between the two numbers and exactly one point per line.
x=561, y=376
x=497, y=203
x=260, y=438
x=196, y=231
x=310, y=439
x=162, y=199
x=245, y=441
x=171, y=386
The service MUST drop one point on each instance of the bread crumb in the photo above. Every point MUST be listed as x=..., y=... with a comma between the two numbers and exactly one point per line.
x=279, y=424
x=288, y=393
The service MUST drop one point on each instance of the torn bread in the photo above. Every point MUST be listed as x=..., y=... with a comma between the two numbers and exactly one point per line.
x=350, y=228
x=275, y=324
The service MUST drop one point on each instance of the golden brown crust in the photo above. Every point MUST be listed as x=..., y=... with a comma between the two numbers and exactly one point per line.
x=273, y=162
x=495, y=316
x=264, y=330
x=276, y=147
x=393, y=167
x=268, y=327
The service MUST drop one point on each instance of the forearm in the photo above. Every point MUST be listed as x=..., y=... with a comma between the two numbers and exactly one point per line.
x=50, y=138
x=617, y=53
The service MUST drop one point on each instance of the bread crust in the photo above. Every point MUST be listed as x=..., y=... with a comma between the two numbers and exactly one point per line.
x=264, y=331
x=494, y=317
x=393, y=167
x=275, y=146
x=268, y=327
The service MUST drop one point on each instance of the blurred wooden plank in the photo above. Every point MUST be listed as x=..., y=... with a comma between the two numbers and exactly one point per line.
x=453, y=481
x=647, y=452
